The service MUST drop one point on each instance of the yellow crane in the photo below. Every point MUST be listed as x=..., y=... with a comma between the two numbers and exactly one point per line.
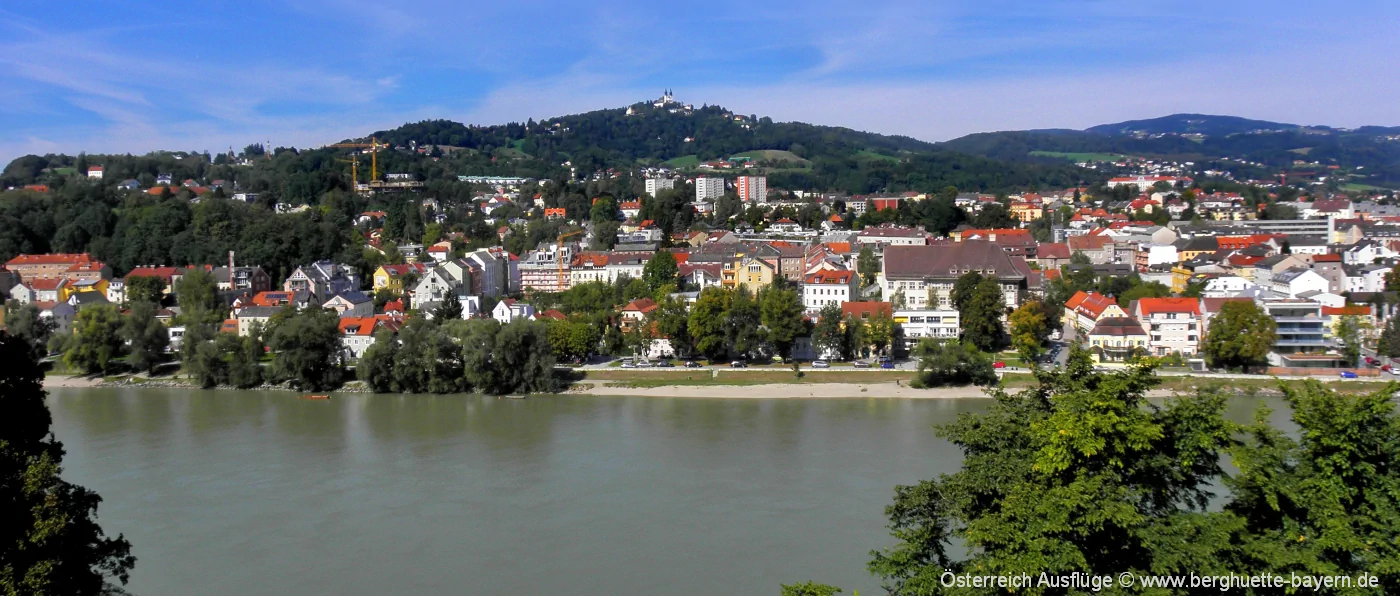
x=559, y=257
x=354, y=162
x=373, y=145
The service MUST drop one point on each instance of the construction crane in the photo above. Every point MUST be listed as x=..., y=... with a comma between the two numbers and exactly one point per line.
x=373, y=146
x=354, y=162
x=559, y=257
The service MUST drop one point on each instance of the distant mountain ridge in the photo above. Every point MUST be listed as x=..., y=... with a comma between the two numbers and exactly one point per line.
x=1205, y=124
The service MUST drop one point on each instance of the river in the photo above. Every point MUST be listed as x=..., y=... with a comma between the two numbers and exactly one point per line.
x=225, y=492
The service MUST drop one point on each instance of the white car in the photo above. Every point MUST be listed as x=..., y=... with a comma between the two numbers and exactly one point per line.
x=821, y=364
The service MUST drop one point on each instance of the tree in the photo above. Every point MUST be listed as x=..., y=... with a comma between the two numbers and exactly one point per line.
x=145, y=288
x=1079, y=258
x=1390, y=339
x=50, y=542
x=981, y=313
x=25, y=324
x=1392, y=279
x=880, y=330
x=810, y=589
x=994, y=215
x=146, y=337
x=1240, y=335
x=450, y=308
x=781, y=312
x=743, y=320
x=307, y=348
x=1076, y=474
x=868, y=265
x=827, y=335
x=672, y=321
x=96, y=343
x=661, y=270
x=376, y=365
x=244, y=355
x=1029, y=330
x=951, y=363
x=707, y=322
x=198, y=291
x=1348, y=331
x=963, y=289
x=1327, y=502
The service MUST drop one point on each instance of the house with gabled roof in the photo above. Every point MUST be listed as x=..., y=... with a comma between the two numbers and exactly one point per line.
x=1172, y=324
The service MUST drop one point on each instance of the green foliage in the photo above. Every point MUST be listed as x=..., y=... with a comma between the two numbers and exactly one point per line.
x=672, y=321
x=24, y=323
x=1240, y=335
x=661, y=270
x=707, y=322
x=994, y=215
x=1389, y=345
x=1030, y=327
x=868, y=265
x=781, y=312
x=50, y=542
x=96, y=342
x=457, y=355
x=1348, y=331
x=146, y=337
x=450, y=308
x=573, y=339
x=743, y=334
x=145, y=289
x=307, y=348
x=198, y=291
x=1077, y=474
x=880, y=331
x=951, y=363
x=810, y=589
x=980, y=309
x=828, y=337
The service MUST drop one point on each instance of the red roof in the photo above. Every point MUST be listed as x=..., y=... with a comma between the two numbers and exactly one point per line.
x=47, y=284
x=362, y=326
x=628, y=205
x=1089, y=303
x=865, y=310
x=48, y=259
x=1148, y=306
x=838, y=247
x=393, y=306
x=229, y=326
x=830, y=277
x=1327, y=258
x=1358, y=310
x=551, y=314
x=402, y=269
x=1053, y=250
x=641, y=305
x=164, y=273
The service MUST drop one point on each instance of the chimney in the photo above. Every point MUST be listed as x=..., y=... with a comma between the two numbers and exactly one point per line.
x=230, y=270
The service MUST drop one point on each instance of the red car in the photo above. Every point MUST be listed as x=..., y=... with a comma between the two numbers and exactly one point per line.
x=1385, y=368
x=998, y=364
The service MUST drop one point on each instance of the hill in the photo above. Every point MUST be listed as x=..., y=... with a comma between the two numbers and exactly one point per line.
x=1368, y=155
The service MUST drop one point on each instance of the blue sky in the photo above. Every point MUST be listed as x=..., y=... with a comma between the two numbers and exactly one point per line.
x=106, y=76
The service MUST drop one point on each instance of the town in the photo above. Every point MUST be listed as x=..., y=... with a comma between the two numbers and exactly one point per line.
x=670, y=265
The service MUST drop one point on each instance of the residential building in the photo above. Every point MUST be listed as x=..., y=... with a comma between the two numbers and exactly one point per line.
x=435, y=286
x=888, y=235
x=708, y=188
x=56, y=265
x=1173, y=324
x=1085, y=309
x=1295, y=281
x=1302, y=335
x=511, y=309
x=655, y=185
x=1117, y=339
x=95, y=172
x=917, y=325
x=635, y=312
x=357, y=333
x=251, y=279
x=350, y=304
x=322, y=280
x=252, y=318
x=925, y=274
x=546, y=269
x=1145, y=183
x=752, y=188
x=494, y=265
x=829, y=287
x=390, y=277
x=750, y=273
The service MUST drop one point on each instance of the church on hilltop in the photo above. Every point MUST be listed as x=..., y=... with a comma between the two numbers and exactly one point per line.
x=666, y=102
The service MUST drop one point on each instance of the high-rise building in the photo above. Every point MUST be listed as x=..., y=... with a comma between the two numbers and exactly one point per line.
x=752, y=188
x=708, y=188
x=655, y=185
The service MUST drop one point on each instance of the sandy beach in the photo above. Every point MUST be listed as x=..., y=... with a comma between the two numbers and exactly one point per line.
x=791, y=390
x=66, y=381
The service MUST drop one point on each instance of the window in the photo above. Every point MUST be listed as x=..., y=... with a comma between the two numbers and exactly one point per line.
x=1156, y=338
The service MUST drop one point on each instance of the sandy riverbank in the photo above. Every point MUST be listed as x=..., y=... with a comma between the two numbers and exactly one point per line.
x=66, y=381
x=790, y=390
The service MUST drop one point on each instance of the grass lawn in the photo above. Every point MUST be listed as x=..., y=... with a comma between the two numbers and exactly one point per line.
x=1081, y=157
x=868, y=154
x=771, y=154
x=1356, y=187
x=684, y=161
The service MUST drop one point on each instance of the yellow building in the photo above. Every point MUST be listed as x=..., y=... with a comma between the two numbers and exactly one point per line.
x=750, y=273
x=392, y=276
x=1181, y=276
x=1026, y=211
x=87, y=285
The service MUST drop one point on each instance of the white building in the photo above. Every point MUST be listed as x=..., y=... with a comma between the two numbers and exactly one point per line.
x=95, y=172
x=916, y=325
x=752, y=188
x=655, y=185
x=1160, y=254
x=510, y=309
x=1295, y=281
x=1226, y=286
x=1172, y=324
x=708, y=188
x=826, y=287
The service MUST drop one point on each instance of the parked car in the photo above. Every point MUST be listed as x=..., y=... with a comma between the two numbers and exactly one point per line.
x=692, y=364
x=628, y=365
x=664, y=364
x=738, y=364
x=643, y=364
x=1346, y=374
x=886, y=363
x=860, y=364
x=998, y=364
x=821, y=364
x=1385, y=368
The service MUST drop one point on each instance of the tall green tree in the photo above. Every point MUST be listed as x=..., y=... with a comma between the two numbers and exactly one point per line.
x=880, y=331
x=145, y=289
x=1079, y=473
x=146, y=337
x=828, y=337
x=1326, y=500
x=1240, y=336
x=96, y=343
x=707, y=322
x=951, y=363
x=50, y=541
x=24, y=322
x=980, y=314
x=450, y=308
x=867, y=265
x=198, y=291
x=1348, y=330
x=743, y=320
x=307, y=349
x=661, y=270
x=1389, y=344
x=781, y=312
x=1029, y=329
